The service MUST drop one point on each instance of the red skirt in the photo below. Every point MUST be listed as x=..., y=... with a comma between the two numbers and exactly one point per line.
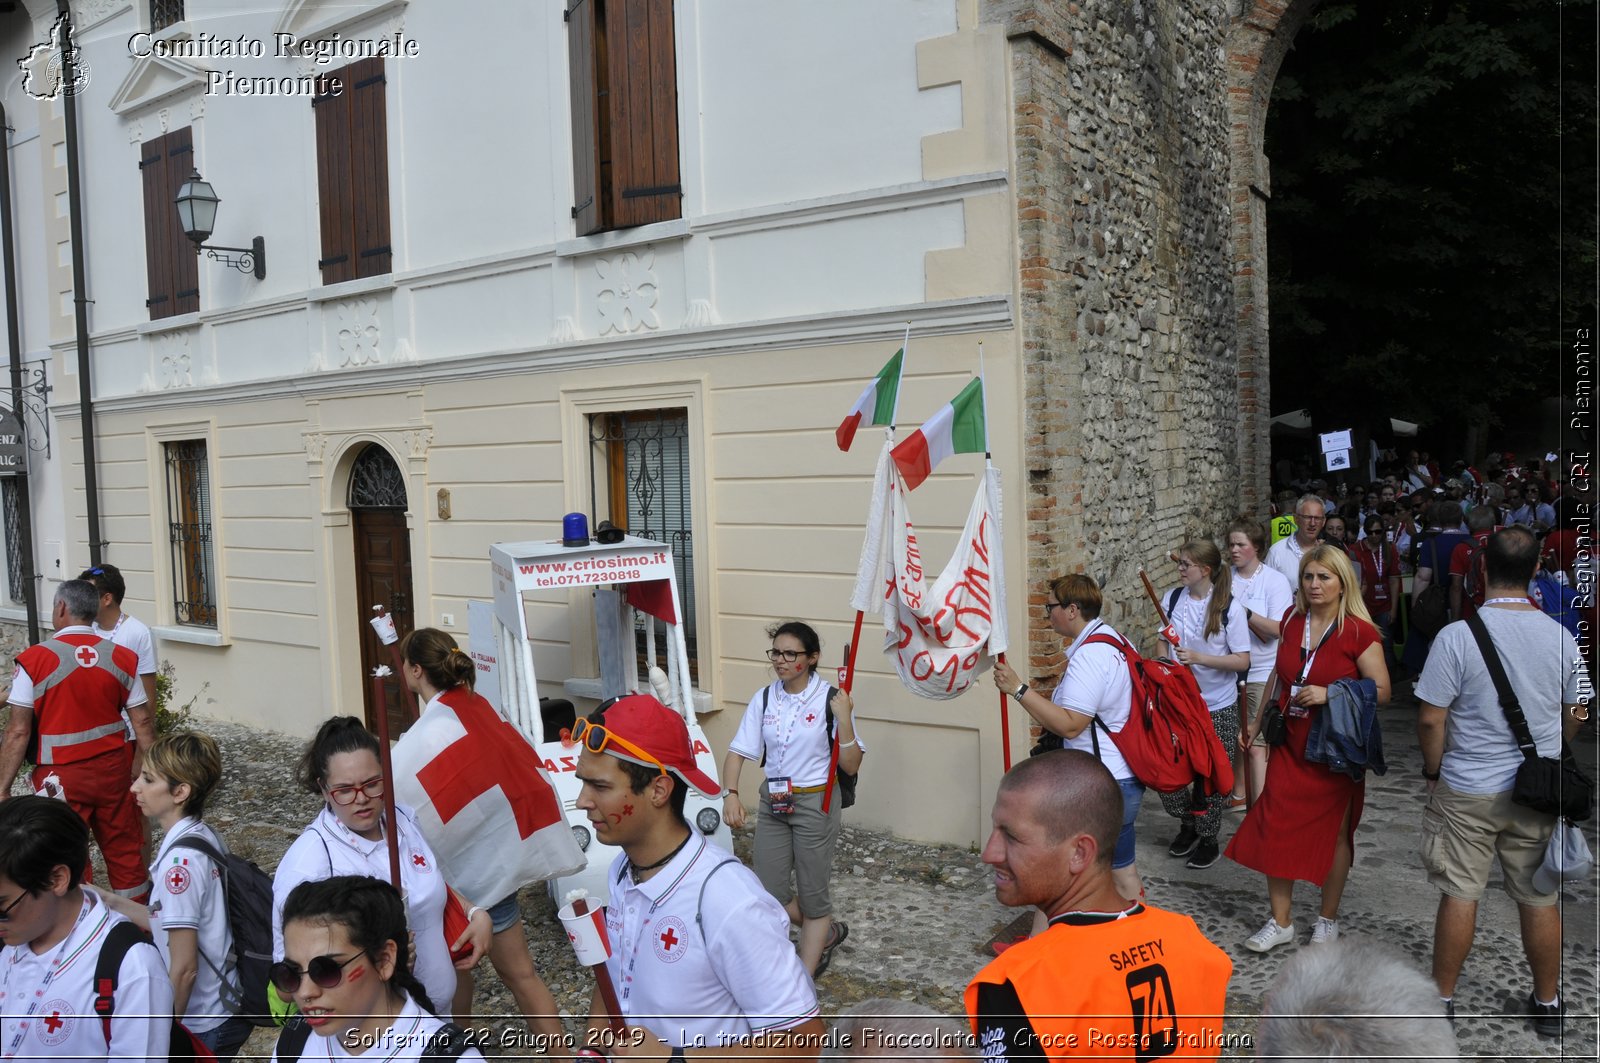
x=1291, y=830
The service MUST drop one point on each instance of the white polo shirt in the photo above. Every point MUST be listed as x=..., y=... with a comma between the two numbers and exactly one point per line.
x=328, y=848
x=1096, y=684
x=1266, y=594
x=135, y=634
x=1285, y=557
x=187, y=894
x=708, y=982
x=406, y=1039
x=791, y=730
x=47, y=1001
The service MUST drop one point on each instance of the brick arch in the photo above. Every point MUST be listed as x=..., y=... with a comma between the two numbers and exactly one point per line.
x=1259, y=37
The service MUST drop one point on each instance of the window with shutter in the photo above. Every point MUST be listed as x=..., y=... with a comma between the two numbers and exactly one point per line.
x=353, y=171
x=172, y=266
x=624, y=74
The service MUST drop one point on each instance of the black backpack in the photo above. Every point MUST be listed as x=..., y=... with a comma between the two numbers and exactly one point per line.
x=846, y=781
x=183, y=1046
x=247, y=895
x=450, y=1042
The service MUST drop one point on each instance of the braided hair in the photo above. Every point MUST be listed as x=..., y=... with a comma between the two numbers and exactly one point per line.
x=445, y=664
x=372, y=914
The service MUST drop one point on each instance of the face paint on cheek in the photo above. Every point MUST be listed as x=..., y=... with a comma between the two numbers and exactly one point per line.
x=357, y=973
x=627, y=810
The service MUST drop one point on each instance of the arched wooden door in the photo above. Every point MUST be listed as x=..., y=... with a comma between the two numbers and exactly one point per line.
x=377, y=501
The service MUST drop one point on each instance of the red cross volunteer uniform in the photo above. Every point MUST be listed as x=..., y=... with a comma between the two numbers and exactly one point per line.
x=328, y=848
x=700, y=951
x=47, y=1001
x=77, y=685
x=187, y=893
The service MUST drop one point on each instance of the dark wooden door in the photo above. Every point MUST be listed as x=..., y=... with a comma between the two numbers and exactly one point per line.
x=383, y=577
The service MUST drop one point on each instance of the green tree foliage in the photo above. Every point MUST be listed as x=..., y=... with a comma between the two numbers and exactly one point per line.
x=1432, y=222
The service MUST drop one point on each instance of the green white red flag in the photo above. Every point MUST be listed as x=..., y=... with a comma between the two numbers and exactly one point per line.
x=876, y=404
x=957, y=428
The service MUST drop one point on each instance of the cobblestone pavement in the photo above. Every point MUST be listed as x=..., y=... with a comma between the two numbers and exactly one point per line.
x=922, y=916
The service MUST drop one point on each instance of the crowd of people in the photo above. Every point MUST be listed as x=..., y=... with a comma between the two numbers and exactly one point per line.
x=1292, y=646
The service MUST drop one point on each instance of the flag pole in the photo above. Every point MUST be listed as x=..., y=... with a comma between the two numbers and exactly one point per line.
x=1005, y=712
x=386, y=765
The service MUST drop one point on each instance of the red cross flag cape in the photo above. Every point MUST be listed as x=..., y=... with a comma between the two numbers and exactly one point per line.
x=940, y=639
x=482, y=797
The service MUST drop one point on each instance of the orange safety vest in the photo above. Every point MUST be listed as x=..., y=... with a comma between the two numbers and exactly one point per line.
x=80, y=683
x=1145, y=986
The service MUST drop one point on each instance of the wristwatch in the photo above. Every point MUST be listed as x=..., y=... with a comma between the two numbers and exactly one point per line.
x=1431, y=776
x=1023, y=689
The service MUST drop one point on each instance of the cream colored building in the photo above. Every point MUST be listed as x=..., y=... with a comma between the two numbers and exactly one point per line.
x=844, y=171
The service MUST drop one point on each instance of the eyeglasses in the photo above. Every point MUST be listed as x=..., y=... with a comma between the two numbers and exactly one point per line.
x=596, y=739
x=345, y=795
x=1050, y=607
x=325, y=971
x=5, y=913
x=1184, y=566
x=786, y=655
x=1311, y=518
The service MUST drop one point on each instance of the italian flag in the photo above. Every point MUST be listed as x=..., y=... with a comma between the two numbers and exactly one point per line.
x=958, y=428
x=876, y=404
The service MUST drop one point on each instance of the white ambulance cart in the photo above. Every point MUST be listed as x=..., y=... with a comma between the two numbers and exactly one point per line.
x=632, y=583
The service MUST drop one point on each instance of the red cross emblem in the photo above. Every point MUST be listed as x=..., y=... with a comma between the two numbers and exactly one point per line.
x=87, y=656
x=811, y=717
x=419, y=860
x=669, y=939
x=671, y=942
x=484, y=759
x=627, y=810
x=52, y=1022
x=177, y=879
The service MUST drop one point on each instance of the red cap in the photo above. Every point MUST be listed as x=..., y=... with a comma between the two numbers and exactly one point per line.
x=660, y=732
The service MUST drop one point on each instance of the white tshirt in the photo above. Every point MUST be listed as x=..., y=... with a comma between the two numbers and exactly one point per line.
x=328, y=848
x=405, y=1040
x=47, y=1002
x=1284, y=556
x=1219, y=688
x=135, y=634
x=187, y=893
x=1266, y=594
x=711, y=981
x=791, y=729
x=1096, y=684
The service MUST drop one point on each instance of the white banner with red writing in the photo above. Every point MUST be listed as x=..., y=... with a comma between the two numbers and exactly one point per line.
x=483, y=799
x=940, y=638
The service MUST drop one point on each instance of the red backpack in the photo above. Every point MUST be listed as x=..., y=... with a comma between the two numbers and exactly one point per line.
x=1168, y=741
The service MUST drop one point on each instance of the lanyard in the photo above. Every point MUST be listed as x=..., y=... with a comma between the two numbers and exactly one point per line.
x=55, y=965
x=1505, y=601
x=648, y=917
x=1377, y=560
x=1309, y=655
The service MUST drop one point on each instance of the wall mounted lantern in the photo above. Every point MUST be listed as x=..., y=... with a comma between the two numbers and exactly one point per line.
x=197, y=212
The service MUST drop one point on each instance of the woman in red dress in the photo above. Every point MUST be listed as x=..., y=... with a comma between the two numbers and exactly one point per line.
x=1303, y=824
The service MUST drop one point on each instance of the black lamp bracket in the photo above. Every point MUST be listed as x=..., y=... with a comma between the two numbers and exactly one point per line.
x=252, y=259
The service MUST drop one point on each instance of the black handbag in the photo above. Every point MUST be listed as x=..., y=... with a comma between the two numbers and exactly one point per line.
x=1274, y=727
x=1544, y=784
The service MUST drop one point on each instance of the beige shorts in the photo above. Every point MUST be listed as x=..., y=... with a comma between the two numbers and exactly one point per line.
x=1463, y=833
x=1251, y=707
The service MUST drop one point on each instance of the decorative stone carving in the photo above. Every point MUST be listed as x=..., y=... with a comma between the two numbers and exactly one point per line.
x=417, y=441
x=171, y=361
x=316, y=445
x=565, y=330
x=359, y=333
x=627, y=294
x=700, y=314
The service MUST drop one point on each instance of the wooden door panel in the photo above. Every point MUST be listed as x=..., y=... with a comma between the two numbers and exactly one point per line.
x=383, y=577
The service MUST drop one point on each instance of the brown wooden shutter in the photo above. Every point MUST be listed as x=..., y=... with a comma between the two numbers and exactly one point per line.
x=369, y=153
x=172, y=269
x=581, y=51
x=331, y=106
x=642, y=72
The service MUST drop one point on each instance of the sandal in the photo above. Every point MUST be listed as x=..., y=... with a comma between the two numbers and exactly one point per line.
x=836, y=935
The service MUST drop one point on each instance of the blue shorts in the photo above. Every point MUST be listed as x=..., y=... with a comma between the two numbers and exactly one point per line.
x=505, y=913
x=1132, y=792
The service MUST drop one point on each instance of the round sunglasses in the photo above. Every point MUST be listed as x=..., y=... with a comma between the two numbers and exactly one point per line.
x=325, y=971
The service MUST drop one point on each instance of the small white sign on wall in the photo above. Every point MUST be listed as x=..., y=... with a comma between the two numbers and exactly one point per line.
x=1332, y=441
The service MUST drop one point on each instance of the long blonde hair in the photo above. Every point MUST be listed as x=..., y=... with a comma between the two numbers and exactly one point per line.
x=1336, y=561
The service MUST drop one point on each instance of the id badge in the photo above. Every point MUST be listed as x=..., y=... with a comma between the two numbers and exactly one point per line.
x=781, y=793
x=1298, y=712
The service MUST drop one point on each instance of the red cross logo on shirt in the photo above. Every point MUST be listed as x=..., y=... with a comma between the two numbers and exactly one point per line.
x=87, y=656
x=811, y=717
x=669, y=939
x=419, y=860
x=53, y=1022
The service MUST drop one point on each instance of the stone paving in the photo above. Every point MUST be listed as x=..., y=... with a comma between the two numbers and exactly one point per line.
x=922, y=916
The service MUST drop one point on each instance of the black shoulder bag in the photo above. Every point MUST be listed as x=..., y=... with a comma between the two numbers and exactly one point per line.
x=1544, y=784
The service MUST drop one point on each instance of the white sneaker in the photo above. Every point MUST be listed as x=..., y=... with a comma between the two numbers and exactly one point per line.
x=1326, y=932
x=1270, y=936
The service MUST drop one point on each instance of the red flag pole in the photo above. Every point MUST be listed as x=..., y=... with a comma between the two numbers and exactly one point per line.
x=391, y=828
x=850, y=655
x=1005, y=725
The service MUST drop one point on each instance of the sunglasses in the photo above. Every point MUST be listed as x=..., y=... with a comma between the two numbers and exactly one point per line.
x=345, y=795
x=325, y=971
x=5, y=913
x=596, y=739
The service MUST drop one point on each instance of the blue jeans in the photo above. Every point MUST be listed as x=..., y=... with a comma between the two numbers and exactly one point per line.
x=225, y=1040
x=1132, y=792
